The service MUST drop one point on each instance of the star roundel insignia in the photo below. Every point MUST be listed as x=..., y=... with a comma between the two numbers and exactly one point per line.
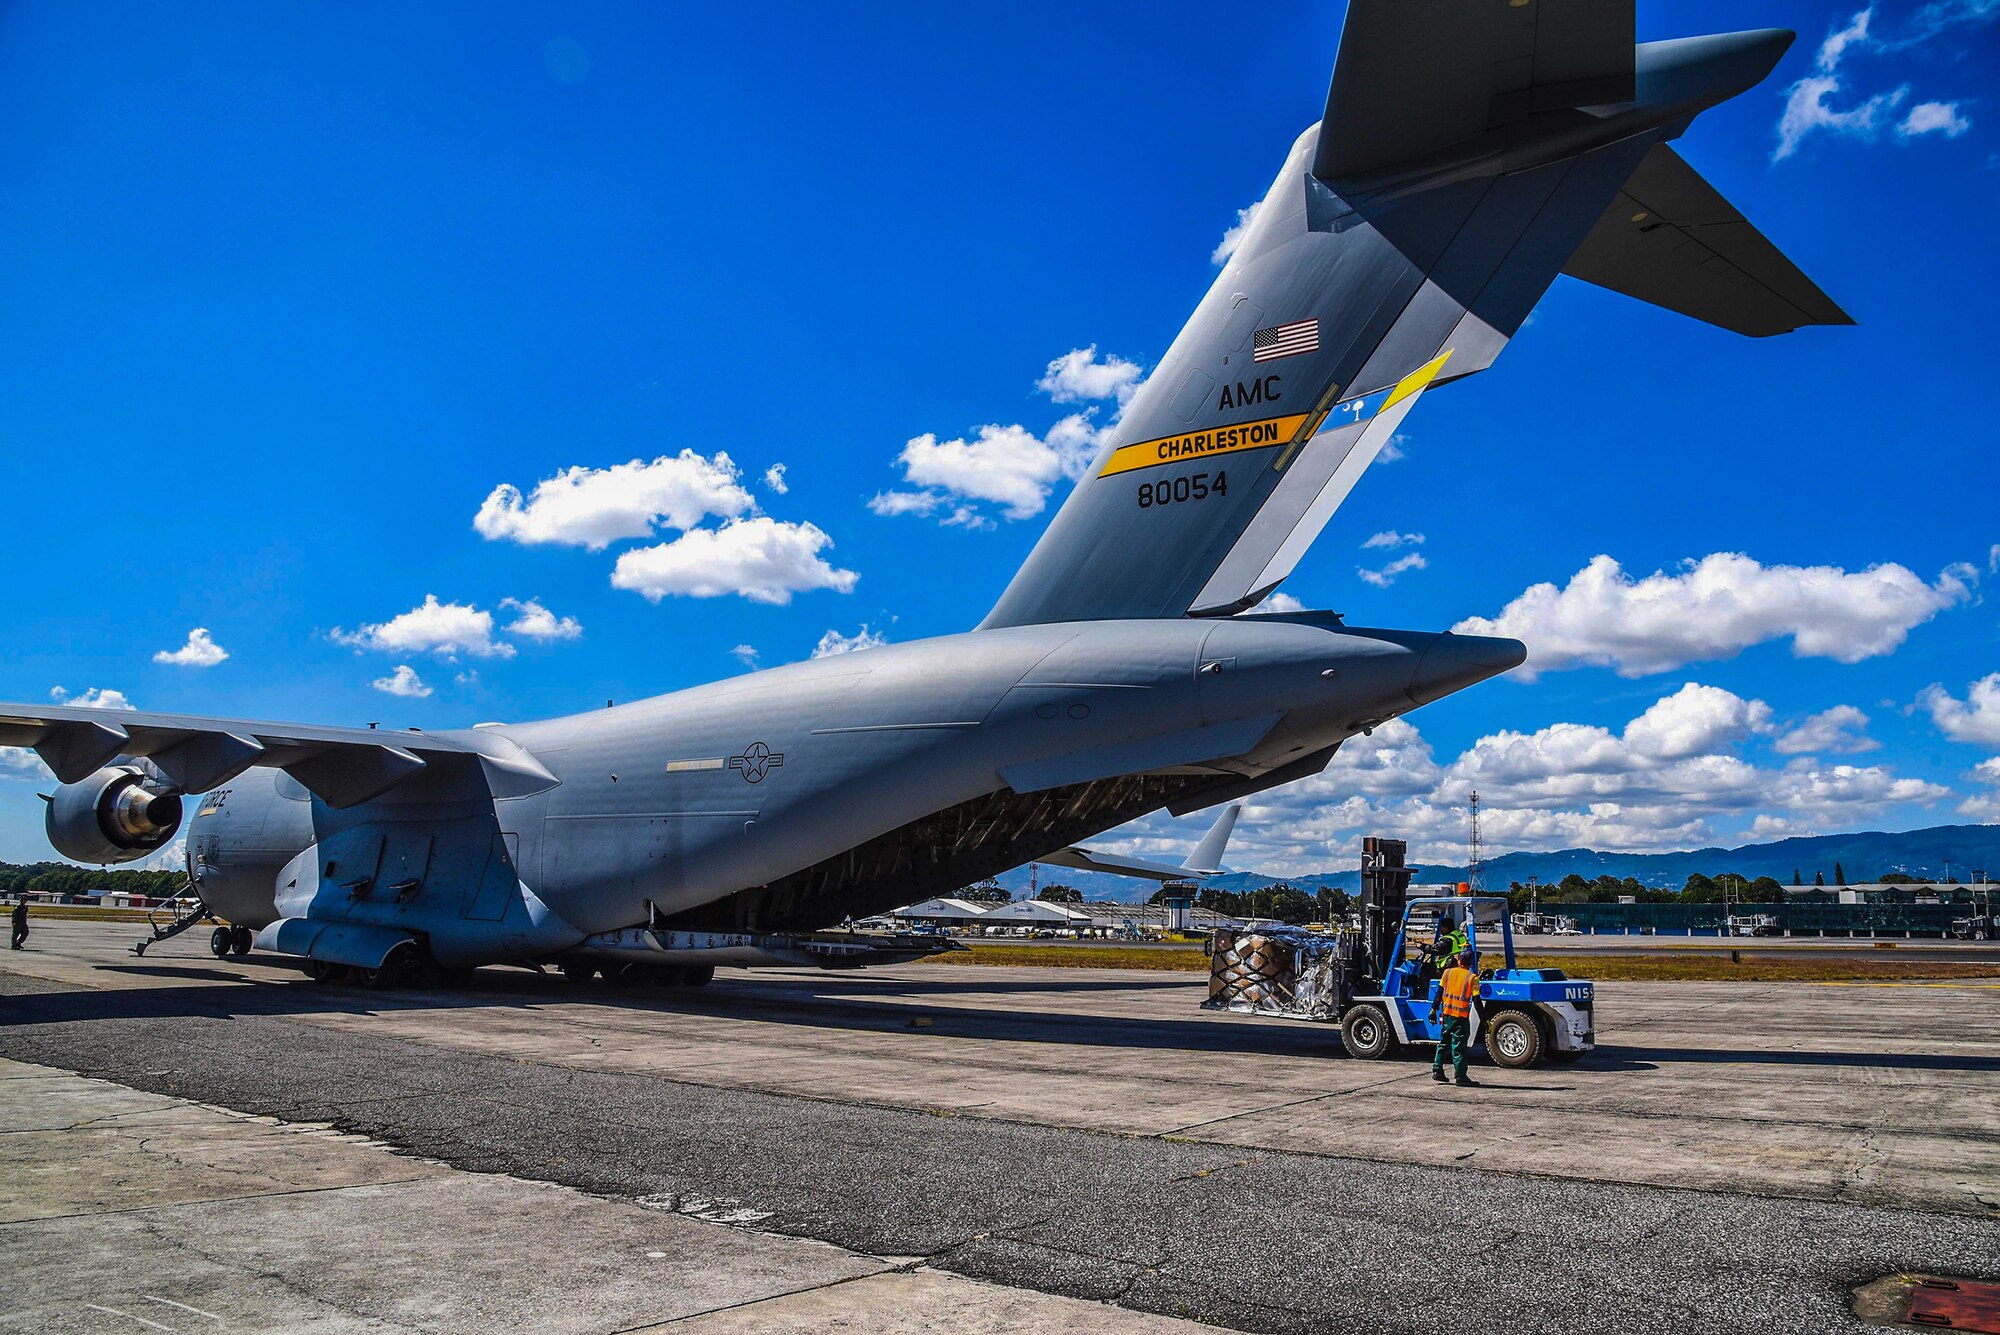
x=756, y=761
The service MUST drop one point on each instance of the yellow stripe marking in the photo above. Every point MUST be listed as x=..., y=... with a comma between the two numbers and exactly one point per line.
x=1259, y=435
x=1418, y=380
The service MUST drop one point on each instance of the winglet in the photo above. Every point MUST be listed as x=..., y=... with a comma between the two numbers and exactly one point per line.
x=1207, y=855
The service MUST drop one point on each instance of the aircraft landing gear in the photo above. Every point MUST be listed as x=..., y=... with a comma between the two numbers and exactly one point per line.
x=221, y=941
x=578, y=972
x=241, y=939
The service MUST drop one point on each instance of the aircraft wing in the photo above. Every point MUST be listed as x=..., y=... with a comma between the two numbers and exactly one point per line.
x=1084, y=859
x=343, y=766
x=1672, y=239
x=1417, y=76
x=1206, y=860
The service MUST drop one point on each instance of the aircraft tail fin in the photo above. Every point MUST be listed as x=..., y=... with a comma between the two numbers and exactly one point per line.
x=1670, y=238
x=1470, y=153
x=1207, y=855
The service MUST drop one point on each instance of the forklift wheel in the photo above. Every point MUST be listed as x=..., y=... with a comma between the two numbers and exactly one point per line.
x=1514, y=1039
x=1365, y=1033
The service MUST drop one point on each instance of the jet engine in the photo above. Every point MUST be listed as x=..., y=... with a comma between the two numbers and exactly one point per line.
x=118, y=814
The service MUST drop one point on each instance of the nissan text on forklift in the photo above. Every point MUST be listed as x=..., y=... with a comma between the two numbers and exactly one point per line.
x=1379, y=980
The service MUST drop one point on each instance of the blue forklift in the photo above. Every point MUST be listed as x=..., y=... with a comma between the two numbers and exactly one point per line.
x=1525, y=1016
x=1379, y=982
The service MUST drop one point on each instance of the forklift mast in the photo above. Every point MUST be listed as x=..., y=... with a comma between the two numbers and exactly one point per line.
x=1385, y=889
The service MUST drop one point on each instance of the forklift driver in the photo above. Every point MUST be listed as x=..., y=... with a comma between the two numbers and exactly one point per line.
x=1456, y=992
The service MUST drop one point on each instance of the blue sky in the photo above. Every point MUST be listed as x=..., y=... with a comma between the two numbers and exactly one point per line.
x=289, y=294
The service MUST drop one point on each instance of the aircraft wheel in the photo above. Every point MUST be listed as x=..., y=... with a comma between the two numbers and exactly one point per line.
x=454, y=977
x=620, y=975
x=578, y=972
x=241, y=939
x=403, y=966
x=220, y=942
x=1365, y=1032
x=668, y=975
x=326, y=972
x=697, y=975
x=1514, y=1039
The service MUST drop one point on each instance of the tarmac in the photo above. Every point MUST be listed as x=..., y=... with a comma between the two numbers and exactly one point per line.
x=957, y=1147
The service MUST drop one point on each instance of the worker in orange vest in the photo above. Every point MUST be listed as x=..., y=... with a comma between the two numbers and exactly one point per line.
x=1456, y=991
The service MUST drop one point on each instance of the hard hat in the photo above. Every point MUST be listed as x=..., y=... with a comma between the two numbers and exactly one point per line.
x=1467, y=956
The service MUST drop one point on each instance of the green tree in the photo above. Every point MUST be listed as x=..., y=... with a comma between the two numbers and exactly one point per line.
x=987, y=892
x=1819, y=879
x=1839, y=874
x=1795, y=877
x=1700, y=890
x=1766, y=890
x=1060, y=894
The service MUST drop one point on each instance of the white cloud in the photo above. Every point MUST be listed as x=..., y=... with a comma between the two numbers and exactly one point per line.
x=1807, y=111
x=1394, y=450
x=774, y=478
x=594, y=507
x=1674, y=776
x=1275, y=601
x=1993, y=559
x=1841, y=729
x=199, y=651
x=536, y=622
x=833, y=642
x=1836, y=43
x=444, y=629
x=1695, y=720
x=1389, y=539
x=1973, y=719
x=1984, y=806
x=1715, y=608
x=1233, y=238
x=1934, y=118
x=404, y=681
x=1009, y=466
x=96, y=697
x=1386, y=576
x=762, y=559
x=18, y=762
x=1810, y=103
x=746, y=654
x=1079, y=376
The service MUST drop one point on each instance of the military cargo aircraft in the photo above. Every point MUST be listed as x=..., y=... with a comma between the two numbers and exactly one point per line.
x=1470, y=151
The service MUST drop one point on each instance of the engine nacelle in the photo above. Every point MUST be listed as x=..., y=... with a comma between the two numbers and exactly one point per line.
x=112, y=816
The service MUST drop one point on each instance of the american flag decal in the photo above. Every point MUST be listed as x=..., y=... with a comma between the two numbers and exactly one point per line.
x=1285, y=340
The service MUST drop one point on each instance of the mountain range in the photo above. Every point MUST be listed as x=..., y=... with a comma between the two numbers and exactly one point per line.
x=1958, y=852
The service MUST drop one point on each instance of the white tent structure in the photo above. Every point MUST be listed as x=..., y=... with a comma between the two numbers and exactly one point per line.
x=1034, y=913
x=944, y=911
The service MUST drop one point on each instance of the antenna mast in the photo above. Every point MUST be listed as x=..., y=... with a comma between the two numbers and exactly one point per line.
x=1475, y=861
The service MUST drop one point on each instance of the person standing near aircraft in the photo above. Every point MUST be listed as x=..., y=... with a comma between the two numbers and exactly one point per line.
x=1456, y=992
x=20, y=922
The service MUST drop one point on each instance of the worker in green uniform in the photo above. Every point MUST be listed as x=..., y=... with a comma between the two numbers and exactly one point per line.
x=1456, y=991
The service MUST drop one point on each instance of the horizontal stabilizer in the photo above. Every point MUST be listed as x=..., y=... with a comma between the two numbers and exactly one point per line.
x=1417, y=77
x=1670, y=238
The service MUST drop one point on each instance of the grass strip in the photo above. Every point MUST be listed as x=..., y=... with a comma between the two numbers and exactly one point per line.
x=1710, y=968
